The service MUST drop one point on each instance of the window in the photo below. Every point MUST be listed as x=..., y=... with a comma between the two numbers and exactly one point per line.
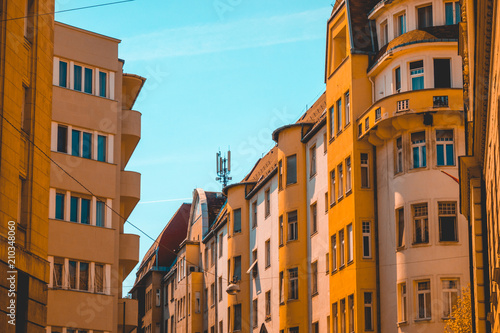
x=63, y=74
x=255, y=309
x=293, y=330
x=78, y=275
x=334, y=252
x=282, y=288
x=347, y=108
x=350, y=244
x=81, y=144
x=237, y=220
x=424, y=299
x=315, y=327
x=197, y=305
x=342, y=248
x=75, y=142
x=102, y=83
x=291, y=169
x=447, y=221
x=400, y=226
x=341, y=180
x=339, y=49
x=378, y=114
x=293, y=283
x=350, y=304
x=419, y=151
x=314, y=275
x=442, y=73
x=205, y=298
x=367, y=240
x=421, y=223
x=212, y=294
x=367, y=123
x=424, y=17
x=280, y=175
x=268, y=253
x=87, y=81
x=80, y=210
x=399, y=155
x=267, y=195
x=314, y=218
x=444, y=147
x=158, y=297
x=452, y=12
x=450, y=296
x=325, y=145
x=326, y=202
x=206, y=260
x=327, y=263
x=384, y=33
x=254, y=265
x=60, y=206
x=365, y=180
x=99, y=213
x=101, y=148
x=400, y=24
x=237, y=317
x=332, y=122
x=228, y=319
x=360, y=129
x=221, y=326
x=58, y=273
x=342, y=315
x=282, y=236
x=62, y=139
x=220, y=288
x=397, y=79
x=237, y=269
x=77, y=81
x=312, y=161
x=417, y=75
x=268, y=304
x=213, y=256
x=292, y=226
x=368, y=311
x=221, y=244
x=339, y=115
x=335, y=315
x=254, y=215
x=332, y=187
x=403, y=307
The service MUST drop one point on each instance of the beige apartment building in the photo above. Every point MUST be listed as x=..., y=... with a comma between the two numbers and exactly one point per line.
x=94, y=133
x=26, y=45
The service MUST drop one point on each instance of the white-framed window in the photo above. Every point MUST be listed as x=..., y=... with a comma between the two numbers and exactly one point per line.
x=367, y=239
x=348, y=183
x=445, y=147
x=79, y=208
x=365, y=174
x=350, y=243
x=452, y=12
x=384, y=33
x=424, y=299
x=314, y=218
x=368, y=307
x=399, y=24
x=403, y=303
x=421, y=224
x=334, y=252
x=267, y=198
x=417, y=75
x=399, y=155
x=312, y=161
x=280, y=175
x=424, y=16
x=293, y=283
x=419, y=150
x=79, y=275
x=450, y=289
x=292, y=226
x=340, y=171
x=447, y=221
x=347, y=108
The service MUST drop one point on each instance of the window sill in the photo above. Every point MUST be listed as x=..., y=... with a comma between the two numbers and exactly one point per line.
x=291, y=241
x=420, y=320
x=282, y=303
x=334, y=271
x=338, y=133
x=281, y=245
x=312, y=176
x=268, y=318
x=292, y=300
x=342, y=267
x=331, y=140
x=316, y=293
x=421, y=244
x=402, y=323
x=314, y=233
x=339, y=199
x=348, y=193
x=291, y=184
x=350, y=262
x=400, y=248
x=268, y=266
x=332, y=204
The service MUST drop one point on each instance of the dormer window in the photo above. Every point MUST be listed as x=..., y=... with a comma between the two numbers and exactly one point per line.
x=400, y=24
x=384, y=33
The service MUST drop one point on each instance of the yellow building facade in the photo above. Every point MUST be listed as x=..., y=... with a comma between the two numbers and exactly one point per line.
x=26, y=46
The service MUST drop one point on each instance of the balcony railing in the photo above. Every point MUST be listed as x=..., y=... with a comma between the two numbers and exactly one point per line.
x=403, y=105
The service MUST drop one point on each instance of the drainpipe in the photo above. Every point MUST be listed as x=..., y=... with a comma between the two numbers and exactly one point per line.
x=124, y=305
x=373, y=89
x=377, y=259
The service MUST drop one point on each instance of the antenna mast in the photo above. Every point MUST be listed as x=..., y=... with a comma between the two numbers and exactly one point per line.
x=223, y=168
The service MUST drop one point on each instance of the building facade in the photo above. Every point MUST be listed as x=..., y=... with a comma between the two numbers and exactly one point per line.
x=26, y=50
x=94, y=132
x=479, y=174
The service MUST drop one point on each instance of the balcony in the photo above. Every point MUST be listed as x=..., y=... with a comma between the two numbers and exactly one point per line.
x=392, y=112
x=127, y=314
x=131, y=133
x=130, y=191
x=129, y=252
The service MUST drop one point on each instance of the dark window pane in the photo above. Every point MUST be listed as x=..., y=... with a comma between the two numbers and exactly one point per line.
x=63, y=74
x=87, y=145
x=442, y=73
x=449, y=12
x=85, y=211
x=59, y=206
x=102, y=84
x=101, y=148
x=397, y=74
x=74, y=209
x=88, y=81
x=72, y=274
x=78, y=78
x=62, y=139
x=237, y=220
x=448, y=228
x=424, y=17
x=237, y=317
x=75, y=143
x=99, y=221
x=291, y=169
x=84, y=276
x=237, y=268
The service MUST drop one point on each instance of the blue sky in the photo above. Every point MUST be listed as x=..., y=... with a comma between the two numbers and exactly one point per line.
x=220, y=73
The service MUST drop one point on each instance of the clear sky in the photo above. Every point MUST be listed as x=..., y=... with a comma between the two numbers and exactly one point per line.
x=220, y=73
